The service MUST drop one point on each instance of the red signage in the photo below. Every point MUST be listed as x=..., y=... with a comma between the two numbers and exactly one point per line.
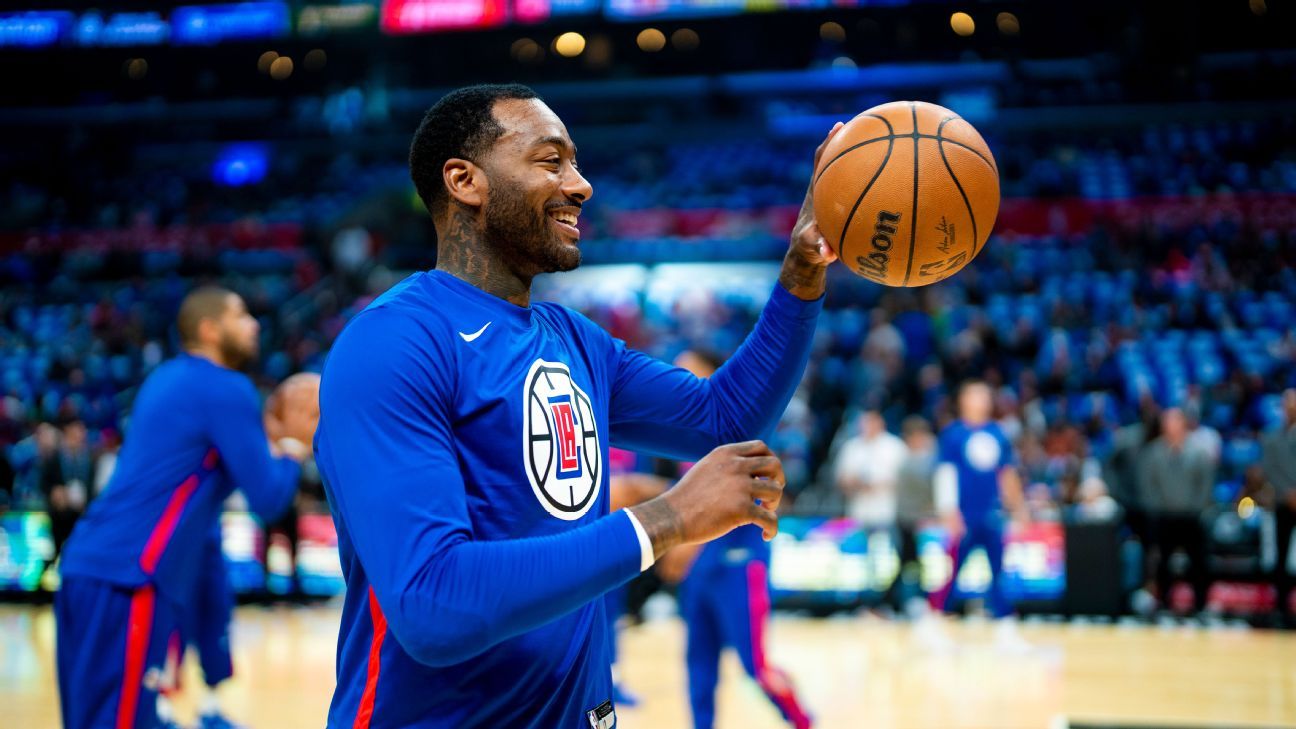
x=421, y=16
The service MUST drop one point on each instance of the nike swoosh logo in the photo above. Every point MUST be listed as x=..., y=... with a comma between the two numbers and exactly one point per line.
x=474, y=335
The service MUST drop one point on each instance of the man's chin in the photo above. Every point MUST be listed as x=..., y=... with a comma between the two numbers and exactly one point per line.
x=564, y=257
x=242, y=361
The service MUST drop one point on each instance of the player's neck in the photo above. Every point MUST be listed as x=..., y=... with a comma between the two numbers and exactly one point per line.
x=210, y=353
x=462, y=253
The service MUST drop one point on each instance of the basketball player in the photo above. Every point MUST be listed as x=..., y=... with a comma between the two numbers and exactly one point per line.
x=129, y=567
x=464, y=433
x=975, y=482
x=724, y=601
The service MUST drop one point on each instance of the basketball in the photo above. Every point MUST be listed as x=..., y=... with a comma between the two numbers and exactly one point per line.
x=906, y=193
x=295, y=406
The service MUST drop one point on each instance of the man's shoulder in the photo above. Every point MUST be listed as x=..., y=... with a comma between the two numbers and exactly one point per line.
x=402, y=314
x=196, y=375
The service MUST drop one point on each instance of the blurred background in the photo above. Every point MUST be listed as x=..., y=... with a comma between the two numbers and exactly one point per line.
x=1142, y=265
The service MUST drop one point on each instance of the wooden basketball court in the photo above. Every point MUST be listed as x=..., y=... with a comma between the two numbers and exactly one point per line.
x=852, y=672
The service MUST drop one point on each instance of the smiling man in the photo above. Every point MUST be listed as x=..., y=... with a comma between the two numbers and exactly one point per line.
x=464, y=441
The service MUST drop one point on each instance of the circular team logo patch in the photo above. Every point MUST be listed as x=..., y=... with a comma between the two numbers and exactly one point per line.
x=983, y=451
x=560, y=445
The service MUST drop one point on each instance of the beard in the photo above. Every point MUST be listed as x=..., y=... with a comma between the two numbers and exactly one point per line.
x=514, y=227
x=237, y=356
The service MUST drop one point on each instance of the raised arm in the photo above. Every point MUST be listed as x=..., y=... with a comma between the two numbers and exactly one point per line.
x=667, y=411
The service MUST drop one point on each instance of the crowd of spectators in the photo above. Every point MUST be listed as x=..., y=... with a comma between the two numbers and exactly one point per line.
x=1137, y=361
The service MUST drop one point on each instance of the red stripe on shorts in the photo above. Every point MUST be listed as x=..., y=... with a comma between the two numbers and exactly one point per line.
x=138, y=630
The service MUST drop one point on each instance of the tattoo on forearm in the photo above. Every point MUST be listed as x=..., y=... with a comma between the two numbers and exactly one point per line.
x=663, y=524
x=803, y=278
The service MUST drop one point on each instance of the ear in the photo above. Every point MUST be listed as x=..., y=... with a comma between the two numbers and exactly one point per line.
x=208, y=330
x=465, y=181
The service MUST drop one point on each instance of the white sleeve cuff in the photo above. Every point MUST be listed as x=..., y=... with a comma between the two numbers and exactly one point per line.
x=945, y=486
x=646, y=555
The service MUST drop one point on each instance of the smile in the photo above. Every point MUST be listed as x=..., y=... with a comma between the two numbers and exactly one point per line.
x=566, y=221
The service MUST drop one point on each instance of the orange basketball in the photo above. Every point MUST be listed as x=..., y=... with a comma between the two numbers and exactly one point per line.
x=906, y=193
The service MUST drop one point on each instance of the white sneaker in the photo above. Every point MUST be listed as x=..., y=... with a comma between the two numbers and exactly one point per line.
x=1008, y=639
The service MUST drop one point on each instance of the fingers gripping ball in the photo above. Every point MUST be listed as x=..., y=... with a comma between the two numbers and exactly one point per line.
x=906, y=193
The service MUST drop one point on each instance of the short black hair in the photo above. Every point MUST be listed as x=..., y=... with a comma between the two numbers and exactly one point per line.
x=206, y=302
x=460, y=124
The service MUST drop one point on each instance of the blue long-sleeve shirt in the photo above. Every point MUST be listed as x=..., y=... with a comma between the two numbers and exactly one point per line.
x=464, y=443
x=195, y=435
x=977, y=454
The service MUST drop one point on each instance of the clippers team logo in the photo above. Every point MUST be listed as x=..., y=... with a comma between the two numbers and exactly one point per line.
x=983, y=451
x=560, y=441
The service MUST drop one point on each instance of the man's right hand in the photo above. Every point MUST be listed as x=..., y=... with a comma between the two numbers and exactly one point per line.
x=718, y=494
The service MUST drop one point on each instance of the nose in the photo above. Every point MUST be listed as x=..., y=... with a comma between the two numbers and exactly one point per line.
x=575, y=186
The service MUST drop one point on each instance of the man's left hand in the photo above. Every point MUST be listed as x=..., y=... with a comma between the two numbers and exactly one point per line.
x=809, y=254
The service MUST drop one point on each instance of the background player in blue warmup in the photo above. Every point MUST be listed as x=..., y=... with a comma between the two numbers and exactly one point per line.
x=975, y=483
x=724, y=601
x=464, y=433
x=196, y=434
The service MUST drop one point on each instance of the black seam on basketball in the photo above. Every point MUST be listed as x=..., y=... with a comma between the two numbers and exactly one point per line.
x=976, y=241
x=973, y=150
x=848, y=150
x=890, y=133
x=913, y=215
x=956, y=143
x=841, y=243
x=890, y=137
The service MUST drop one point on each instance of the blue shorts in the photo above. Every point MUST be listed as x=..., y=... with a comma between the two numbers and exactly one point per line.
x=111, y=646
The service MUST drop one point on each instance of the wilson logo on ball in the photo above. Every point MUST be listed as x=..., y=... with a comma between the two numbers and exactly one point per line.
x=875, y=264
